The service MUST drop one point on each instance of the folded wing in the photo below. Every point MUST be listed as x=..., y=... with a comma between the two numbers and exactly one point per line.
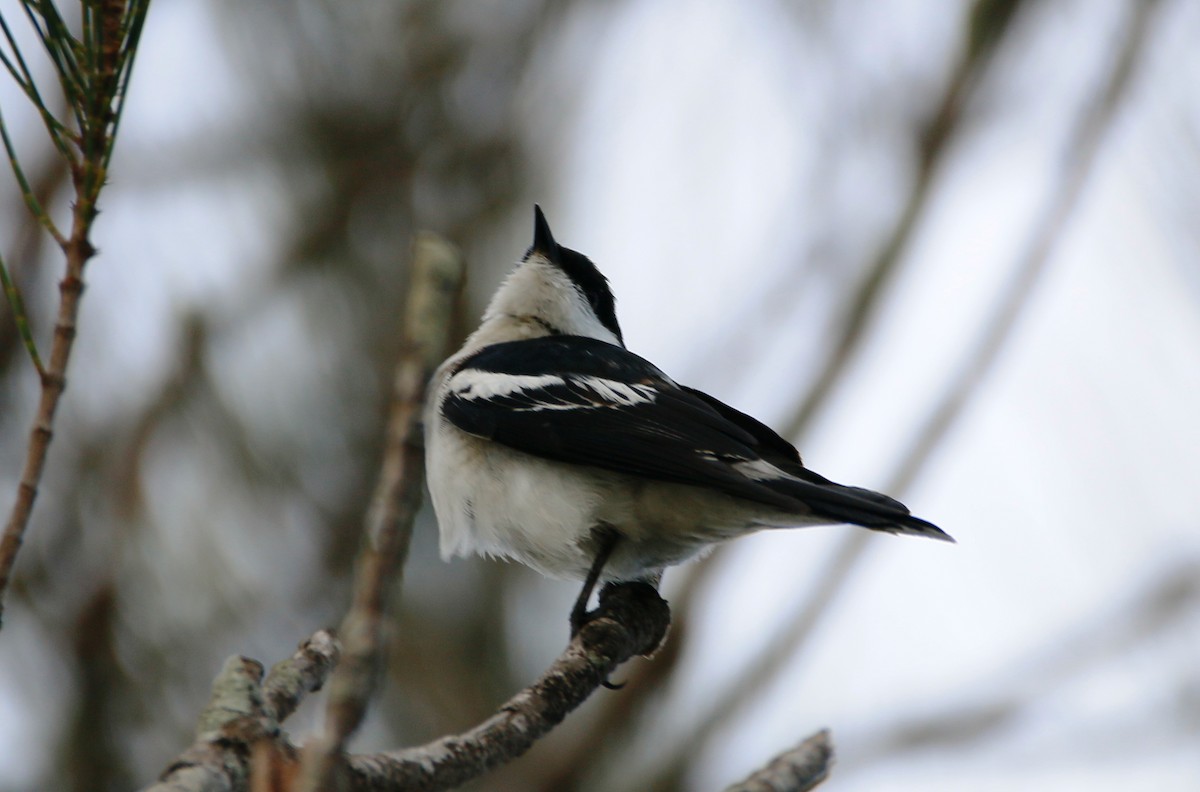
x=586, y=402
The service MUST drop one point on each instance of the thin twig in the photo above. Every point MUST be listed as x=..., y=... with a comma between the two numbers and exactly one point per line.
x=54, y=381
x=436, y=279
x=131, y=31
x=27, y=244
x=798, y=769
x=1084, y=143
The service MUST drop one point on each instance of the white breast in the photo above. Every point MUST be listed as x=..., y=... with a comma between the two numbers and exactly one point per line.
x=496, y=501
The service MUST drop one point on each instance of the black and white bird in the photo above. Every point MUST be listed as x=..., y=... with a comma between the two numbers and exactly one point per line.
x=550, y=443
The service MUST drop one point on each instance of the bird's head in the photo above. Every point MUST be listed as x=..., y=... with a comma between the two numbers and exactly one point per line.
x=555, y=291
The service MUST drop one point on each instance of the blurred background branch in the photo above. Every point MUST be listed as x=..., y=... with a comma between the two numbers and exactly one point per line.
x=436, y=277
x=986, y=28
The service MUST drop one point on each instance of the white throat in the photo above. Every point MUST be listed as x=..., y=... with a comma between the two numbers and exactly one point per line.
x=538, y=299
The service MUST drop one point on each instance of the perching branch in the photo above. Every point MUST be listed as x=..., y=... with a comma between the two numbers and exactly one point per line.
x=238, y=733
x=435, y=281
x=94, y=72
x=632, y=620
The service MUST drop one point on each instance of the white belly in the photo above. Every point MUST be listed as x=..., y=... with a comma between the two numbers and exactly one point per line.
x=495, y=501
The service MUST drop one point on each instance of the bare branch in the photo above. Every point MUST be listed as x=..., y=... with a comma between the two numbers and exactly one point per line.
x=632, y=620
x=798, y=769
x=304, y=672
x=1083, y=146
x=232, y=718
x=238, y=733
x=437, y=273
x=240, y=726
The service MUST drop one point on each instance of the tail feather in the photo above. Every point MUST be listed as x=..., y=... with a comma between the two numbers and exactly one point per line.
x=860, y=506
x=915, y=526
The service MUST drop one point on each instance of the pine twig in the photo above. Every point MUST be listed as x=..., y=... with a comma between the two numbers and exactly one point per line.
x=87, y=70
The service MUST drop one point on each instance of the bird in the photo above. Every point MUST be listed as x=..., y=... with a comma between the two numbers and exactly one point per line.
x=548, y=442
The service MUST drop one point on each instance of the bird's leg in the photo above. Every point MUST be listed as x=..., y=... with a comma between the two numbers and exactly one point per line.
x=607, y=539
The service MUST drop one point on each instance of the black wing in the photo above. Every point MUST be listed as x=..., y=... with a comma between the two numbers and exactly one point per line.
x=586, y=402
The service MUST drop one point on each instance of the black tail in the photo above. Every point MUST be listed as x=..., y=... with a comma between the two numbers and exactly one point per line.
x=858, y=506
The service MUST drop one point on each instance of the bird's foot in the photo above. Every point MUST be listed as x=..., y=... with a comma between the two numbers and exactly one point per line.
x=636, y=607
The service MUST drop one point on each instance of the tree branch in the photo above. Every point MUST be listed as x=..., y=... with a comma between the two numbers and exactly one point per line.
x=798, y=769
x=244, y=712
x=632, y=620
x=238, y=733
x=216, y=761
x=304, y=672
x=54, y=381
